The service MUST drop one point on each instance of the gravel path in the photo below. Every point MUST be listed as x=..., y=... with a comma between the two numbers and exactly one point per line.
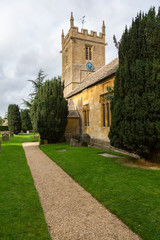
x=71, y=212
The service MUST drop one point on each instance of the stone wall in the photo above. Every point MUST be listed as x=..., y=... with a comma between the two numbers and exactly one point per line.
x=72, y=127
x=93, y=98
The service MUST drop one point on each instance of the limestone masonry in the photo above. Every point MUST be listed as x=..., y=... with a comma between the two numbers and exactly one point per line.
x=86, y=78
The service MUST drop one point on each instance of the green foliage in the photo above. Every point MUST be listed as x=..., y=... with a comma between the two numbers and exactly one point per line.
x=110, y=94
x=25, y=120
x=132, y=194
x=52, y=110
x=1, y=121
x=135, y=106
x=3, y=128
x=14, y=119
x=32, y=102
x=37, y=83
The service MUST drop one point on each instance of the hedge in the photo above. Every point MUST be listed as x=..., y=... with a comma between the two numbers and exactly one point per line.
x=3, y=128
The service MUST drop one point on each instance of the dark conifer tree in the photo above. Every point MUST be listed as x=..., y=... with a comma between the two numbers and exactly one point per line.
x=136, y=103
x=52, y=110
x=14, y=119
x=25, y=120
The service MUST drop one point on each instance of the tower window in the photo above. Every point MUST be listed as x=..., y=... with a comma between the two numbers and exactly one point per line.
x=88, y=53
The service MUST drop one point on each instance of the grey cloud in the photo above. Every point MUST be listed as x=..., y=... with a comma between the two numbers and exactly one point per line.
x=31, y=37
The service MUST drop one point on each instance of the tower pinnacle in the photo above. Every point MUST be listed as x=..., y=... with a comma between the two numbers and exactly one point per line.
x=71, y=20
x=62, y=36
x=103, y=28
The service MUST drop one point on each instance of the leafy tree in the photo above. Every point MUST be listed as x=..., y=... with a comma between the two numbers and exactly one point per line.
x=25, y=120
x=32, y=102
x=136, y=103
x=52, y=110
x=37, y=83
x=1, y=121
x=14, y=119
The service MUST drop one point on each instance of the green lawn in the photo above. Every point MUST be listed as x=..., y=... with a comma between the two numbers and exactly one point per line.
x=132, y=194
x=21, y=215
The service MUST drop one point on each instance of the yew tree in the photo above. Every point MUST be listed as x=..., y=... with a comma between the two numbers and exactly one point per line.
x=25, y=120
x=14, y=119
x=136, y=104
x=52, y=110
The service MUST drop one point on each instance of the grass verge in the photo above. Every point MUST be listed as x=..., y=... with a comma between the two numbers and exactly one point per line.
x=133, y=194
x=21, y=215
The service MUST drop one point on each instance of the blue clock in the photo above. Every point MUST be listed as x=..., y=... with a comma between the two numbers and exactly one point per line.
x=89, y=66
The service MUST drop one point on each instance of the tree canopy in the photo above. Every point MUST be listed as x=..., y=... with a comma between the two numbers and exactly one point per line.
x=31, y=104
x=1, y=121
x=136, y=104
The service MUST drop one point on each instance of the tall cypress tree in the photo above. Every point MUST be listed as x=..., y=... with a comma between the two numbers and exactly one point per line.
x=14, y=119
x=136, y=103
x=52, y=110
x=25, y=120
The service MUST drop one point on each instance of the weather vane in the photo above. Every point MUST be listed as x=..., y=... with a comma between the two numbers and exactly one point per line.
x=83, y=21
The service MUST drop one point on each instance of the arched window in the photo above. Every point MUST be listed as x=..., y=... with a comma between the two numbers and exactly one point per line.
x=105, y=111
x=88, y=53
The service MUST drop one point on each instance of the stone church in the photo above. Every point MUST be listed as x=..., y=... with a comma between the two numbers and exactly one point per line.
x=86, y=78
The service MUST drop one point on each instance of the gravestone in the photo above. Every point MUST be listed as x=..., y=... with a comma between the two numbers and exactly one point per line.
x=61, y=150
x=36, y=136
x=85, y=140
x=27, y=131
x=74, y=142
x=11, y=134
x=45, y=141
x=5, y=137
x=68, y=137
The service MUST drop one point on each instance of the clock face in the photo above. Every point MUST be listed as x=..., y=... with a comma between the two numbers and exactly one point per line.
x=89, y=66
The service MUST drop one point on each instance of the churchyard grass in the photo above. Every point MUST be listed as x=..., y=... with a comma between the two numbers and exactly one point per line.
x=133, y=194
x=21, y=215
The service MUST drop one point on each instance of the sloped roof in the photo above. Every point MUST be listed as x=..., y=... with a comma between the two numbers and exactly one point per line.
x=73, y=114
x=97, y=76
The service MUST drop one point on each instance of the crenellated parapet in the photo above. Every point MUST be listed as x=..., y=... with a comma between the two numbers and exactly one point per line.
x=83, y=34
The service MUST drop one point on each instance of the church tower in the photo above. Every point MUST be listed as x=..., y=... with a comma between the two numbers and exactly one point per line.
x=82, y=54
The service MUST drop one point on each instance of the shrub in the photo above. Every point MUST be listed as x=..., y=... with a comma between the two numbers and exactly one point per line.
x=4, y=128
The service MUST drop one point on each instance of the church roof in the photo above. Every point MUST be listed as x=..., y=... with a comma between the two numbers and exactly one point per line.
x=97, y=76
x=73, y=114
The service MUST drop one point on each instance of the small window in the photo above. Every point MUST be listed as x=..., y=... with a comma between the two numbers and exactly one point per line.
x=108, y=115
x=88, y=53
x=104, y=115
x=86, y=115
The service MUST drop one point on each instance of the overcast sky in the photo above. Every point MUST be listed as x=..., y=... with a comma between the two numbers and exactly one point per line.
x=30, y=37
